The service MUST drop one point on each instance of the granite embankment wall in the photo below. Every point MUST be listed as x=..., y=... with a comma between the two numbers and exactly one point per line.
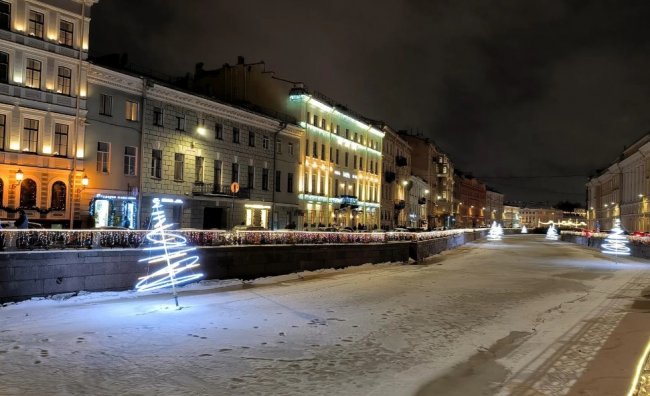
x=43, y=273
x=636, y=249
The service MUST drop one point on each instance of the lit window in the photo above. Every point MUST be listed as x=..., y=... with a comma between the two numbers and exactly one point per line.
x=61, y=139
x=33, y=74
x=36, y=20
x=131, y=111
x=65, y=33
x=103, y=151
x=64, y=81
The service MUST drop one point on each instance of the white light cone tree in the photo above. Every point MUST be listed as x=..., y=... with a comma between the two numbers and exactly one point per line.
x=524, y=230
x=493, y=234
x=551, y=234
x=616, y=242
x=169, y=250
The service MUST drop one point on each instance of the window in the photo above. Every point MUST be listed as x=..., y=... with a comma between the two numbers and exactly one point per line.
x=218, y=131
x=4, y=67
x=36, y=20
x=235, y=135
x=61, y=139
x=180, y=123
x=322, y=152
x=158, y=116
x=198, y=170
x=64, y=81
x=278, y=180
x=314, y=150
x=65, y=33
x=179, y=164
x=323, y=123
x=337, y=156
x=3, y=129
x=265, y=142
x=347, y=133
x=28, y=193
x=251, y=138
x=130, y=155
x=346, y=158
x=307, y=148
x=289, y=182
x=290, y=148
x=360, y=163
x=251, y=176
x=156, y=163
x=336, y=187
x=217, y=176
x=5, y=15
x=33, y=75
x=57, y=200
x=105, y=105
x=278, y=147
x=331, y=154
x=235, y=173
x=315, y=120
x=30, y=135
x=354, y=161
x=131, y=111
x=103, y=150
x=265, y=179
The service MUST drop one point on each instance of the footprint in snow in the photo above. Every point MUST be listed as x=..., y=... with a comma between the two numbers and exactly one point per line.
x=225, y=349
x=205, y=354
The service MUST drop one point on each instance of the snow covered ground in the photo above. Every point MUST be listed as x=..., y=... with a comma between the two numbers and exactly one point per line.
x=467, y=322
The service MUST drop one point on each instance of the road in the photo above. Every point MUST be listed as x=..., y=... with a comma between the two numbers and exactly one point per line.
x=487, y=318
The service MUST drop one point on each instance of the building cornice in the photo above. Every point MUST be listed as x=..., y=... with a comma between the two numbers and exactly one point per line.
x=183, y=99
x=116, y=80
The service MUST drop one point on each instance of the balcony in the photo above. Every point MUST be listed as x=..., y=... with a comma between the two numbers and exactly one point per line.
x=41, y=96
x=211, y=189
x=49, y=46
x=389, y=176
x=400, y=161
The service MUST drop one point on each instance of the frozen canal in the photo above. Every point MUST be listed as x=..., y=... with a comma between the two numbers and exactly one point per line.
x=477, y=320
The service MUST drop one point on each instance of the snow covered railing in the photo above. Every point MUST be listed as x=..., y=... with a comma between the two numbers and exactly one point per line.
x=12, y=239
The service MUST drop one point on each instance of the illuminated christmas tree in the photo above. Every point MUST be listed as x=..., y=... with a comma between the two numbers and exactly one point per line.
x=169, y=250
x=494, y=234
x=552, y=234
x=524, y=230
x=616, y=242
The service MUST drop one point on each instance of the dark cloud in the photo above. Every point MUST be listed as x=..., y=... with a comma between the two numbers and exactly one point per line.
x=511, y=89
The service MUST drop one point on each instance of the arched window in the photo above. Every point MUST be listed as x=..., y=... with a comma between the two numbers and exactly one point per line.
x=58, y=195
x=28, y=193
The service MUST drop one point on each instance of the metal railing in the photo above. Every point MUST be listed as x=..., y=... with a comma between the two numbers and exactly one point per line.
x=219, y=189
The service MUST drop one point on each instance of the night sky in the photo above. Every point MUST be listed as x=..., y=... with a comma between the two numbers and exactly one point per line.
x=530, y=96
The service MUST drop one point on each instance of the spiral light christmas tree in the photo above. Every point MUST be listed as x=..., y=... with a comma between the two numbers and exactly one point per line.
x=524, y=230
x=616, y=242
x=170, y=250
x=494, y=234
x=551, y=234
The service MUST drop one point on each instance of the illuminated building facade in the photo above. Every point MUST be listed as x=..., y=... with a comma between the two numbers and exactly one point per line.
x=112, y=148
x=622, y=191
x=43, y=51
x=493, y=206
x=340, y=164
x=470, y=199
x=444, y=196
x=511, y=216
x=533, y=217
x=195, y=148
x=396, y=164
x=418, y=196
x=424, y=165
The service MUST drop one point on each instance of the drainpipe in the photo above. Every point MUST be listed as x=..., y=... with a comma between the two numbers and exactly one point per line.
x=77, y=120
x=142, y=164
x=283, y=126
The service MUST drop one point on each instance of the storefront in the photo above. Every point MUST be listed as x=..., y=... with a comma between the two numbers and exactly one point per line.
x=114, y=211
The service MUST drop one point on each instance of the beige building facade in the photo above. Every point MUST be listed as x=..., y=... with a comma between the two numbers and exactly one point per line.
x=396, y=163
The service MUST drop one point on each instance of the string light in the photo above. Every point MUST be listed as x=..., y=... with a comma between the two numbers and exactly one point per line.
x=616, y=242
x=494, y=234
x=552, y=234
x=170, y=249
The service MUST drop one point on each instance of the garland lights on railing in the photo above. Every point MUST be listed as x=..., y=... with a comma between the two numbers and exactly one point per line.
x=77, y=239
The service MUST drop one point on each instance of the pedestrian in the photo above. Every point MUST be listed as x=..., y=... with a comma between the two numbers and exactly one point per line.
x=22, y=222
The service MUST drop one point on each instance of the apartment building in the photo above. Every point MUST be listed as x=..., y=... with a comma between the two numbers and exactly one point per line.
x=493, y=206
x=339, y=179
x=470, y=200
x=396, y=163
x=621, y=190
x=43, y=51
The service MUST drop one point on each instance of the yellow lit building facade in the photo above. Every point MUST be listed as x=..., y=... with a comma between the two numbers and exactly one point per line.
x=43, y=51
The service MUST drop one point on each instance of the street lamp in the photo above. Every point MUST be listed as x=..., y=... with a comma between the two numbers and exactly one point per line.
x=19, y=179
x=84, y=183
